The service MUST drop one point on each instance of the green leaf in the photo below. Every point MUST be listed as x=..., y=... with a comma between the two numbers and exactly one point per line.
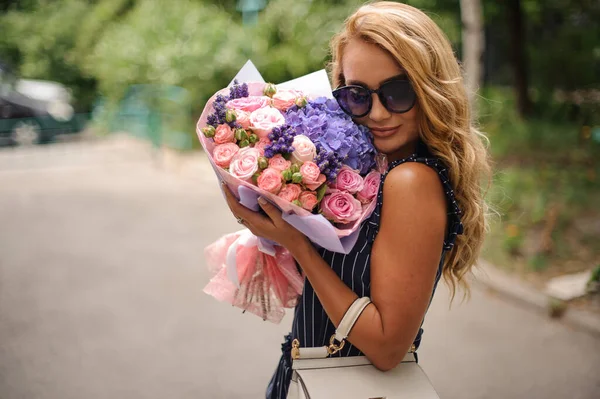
x=321, y=191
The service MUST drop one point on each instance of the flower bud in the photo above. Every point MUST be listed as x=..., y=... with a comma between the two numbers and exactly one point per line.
x=270, y=90
x=301, y=102
x=253, y=138
x=240, y=135
x=287, y=175
x=297, y=203
x=255, y=178
x=244, y=143
x=230, y=115
x=209, y=131
x=295, y=168
x=297, y=178
x=263, y=163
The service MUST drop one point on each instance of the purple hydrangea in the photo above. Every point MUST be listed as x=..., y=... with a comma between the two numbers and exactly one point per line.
x=218, y=116
x=338, y=139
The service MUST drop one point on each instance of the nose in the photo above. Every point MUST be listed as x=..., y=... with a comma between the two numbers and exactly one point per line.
x=378, y=111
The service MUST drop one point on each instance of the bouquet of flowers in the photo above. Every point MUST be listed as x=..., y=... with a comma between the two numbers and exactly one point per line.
x=305, y=155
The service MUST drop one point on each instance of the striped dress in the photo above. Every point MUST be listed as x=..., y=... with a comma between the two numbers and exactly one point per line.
x=311, y=325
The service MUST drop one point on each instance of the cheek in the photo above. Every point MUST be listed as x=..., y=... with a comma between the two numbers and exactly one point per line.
x=361, y=121
x=411, y=118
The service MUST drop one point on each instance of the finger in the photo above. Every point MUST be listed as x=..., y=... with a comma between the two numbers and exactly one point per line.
x=234, y=205
x=270, y=209
x=240, y=211
x=232, y=202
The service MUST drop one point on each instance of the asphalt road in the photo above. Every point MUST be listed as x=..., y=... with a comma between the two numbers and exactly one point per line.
x=101, y=277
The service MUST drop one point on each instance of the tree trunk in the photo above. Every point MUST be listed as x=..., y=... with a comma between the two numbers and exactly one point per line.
x=473, y=47
x=518, y=55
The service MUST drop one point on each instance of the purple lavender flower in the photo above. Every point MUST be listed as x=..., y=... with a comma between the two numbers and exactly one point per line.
x=238, y=90
x=218, y=116
x=282, y=139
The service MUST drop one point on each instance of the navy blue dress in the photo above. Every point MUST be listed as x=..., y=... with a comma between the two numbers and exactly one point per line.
x=311, y=325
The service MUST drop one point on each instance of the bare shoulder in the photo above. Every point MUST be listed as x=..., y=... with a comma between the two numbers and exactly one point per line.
x=413, y=179
x=413, y=217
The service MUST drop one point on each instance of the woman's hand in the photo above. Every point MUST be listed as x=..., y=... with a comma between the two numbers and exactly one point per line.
x=271, y=227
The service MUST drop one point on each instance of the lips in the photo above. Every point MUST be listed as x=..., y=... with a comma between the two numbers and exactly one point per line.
x=384, y=131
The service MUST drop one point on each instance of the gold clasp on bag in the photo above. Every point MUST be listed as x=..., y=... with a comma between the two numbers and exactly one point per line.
x=295, y=349
x=333, y=348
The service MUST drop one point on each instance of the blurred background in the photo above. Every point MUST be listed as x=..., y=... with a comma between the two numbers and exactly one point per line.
x=106, y=201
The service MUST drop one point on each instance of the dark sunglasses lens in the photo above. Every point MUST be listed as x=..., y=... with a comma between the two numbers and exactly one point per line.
x=354, y=100
x=399, y=95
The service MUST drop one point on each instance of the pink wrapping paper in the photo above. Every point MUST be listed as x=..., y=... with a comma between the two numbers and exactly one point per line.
x=268, y=284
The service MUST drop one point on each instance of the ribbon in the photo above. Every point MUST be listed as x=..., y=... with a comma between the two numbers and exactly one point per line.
x=246, y=239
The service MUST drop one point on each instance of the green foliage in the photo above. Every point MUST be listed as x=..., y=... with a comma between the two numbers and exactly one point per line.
x=192, y=45
x=595, y=275
x=548, y=138
x=541, y=165
x=99, y=17
x=292, y=38
x=321, y=192
x=41, y=40
x=103, y=46
x=562, y=48
x=571, y=26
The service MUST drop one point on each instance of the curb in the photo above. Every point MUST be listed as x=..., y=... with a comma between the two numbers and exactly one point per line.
x=515, y=289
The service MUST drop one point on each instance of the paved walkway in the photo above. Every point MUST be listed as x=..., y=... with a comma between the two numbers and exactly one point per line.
x=101, y=276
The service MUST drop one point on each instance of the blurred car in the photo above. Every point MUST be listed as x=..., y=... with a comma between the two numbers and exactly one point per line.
x=33, y=111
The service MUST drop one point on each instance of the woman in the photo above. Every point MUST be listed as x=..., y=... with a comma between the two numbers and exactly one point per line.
x=395, y=73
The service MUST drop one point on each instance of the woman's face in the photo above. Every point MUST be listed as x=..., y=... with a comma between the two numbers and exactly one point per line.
x=365, y=64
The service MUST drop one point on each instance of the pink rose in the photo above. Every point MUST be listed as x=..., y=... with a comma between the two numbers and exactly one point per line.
x=248, y=104
x=224, y=134
x=311, y=175
x=290, y=192
x=308, y=199
x=224, y=153
x=263, y=120
x=243, y=118
x=279, y=162
x=371, y=187
x=348, y=180
x=261, y=144
x=270, y=180
x=304, y=149
x=341, y=207
x=284, y=99
x=244, y=164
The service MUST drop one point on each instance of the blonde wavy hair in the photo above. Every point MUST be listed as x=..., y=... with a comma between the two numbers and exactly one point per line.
x=425, y=53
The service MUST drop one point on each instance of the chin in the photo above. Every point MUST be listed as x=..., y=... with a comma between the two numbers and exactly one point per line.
x=402, y=148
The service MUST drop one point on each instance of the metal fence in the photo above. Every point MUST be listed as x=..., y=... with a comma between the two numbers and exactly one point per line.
x=161, y=114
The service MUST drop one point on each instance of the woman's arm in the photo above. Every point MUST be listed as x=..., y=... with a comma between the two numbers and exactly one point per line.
x=404, y=261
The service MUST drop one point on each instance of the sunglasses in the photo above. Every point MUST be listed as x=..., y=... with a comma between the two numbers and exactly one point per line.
x=397, y=96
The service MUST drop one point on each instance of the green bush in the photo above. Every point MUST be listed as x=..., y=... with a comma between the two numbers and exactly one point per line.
x=553, y=138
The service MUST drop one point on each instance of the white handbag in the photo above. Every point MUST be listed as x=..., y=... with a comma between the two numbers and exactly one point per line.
x=317, y=376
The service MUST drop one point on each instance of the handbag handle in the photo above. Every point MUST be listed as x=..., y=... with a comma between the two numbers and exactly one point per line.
x=351, y=317
x=341, y=333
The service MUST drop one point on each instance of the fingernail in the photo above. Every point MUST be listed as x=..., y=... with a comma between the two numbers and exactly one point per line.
x=261, y=200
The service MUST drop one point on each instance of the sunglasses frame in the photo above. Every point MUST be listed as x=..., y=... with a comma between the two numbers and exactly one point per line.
x=379, y=94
